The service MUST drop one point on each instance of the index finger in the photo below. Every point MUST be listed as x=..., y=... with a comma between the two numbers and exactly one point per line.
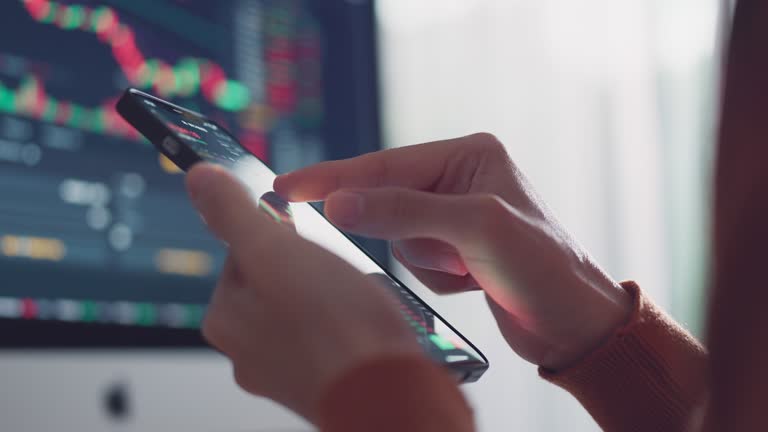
x=418, y=167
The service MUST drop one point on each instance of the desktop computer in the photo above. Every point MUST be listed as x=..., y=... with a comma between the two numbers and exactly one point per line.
x=105, y=269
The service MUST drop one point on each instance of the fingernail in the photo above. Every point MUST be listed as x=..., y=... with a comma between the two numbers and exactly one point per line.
x=346, y=208
x=451, y=263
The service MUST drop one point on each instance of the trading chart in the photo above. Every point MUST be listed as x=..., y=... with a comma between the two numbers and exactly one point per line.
x=94, y=225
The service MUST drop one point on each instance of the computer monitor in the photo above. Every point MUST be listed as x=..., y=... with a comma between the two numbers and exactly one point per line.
x=98, y=243
x=103, y=263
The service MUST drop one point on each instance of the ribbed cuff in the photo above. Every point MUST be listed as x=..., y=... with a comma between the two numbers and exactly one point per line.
x=649, y=375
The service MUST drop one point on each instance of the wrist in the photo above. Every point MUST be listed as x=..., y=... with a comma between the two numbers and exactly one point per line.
x=606, y=308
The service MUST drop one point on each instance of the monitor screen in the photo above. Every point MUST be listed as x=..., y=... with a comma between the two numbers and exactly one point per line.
x=95, y=227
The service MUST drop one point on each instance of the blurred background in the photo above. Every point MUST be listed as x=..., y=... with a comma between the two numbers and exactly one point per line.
x=609, y=106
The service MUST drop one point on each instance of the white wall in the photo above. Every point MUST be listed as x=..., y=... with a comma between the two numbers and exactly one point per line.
x=572, y=88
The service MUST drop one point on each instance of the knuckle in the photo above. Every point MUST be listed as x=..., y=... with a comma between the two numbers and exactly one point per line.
x=399, y=209
x=489, y=142
x=381, y=172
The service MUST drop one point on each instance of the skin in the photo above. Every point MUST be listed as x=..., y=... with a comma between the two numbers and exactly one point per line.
x=291, y=316
x=461, y=216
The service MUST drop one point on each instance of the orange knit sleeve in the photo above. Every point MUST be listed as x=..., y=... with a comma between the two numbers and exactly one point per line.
x=399, y=393
x=650, y=376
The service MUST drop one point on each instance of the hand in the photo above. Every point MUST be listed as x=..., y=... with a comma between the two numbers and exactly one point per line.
x=290, y=315
x=462, y=216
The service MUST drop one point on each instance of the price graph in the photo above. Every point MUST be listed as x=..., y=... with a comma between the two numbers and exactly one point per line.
x=186, y=78
x=92, y=227
x=31, y=99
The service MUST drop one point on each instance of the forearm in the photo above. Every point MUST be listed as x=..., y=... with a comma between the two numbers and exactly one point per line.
x=651, y=374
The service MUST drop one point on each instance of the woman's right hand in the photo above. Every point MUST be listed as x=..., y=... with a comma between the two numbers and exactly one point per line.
x=462, y=216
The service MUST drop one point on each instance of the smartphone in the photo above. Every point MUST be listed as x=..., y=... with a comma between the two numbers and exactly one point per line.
x=186, y=138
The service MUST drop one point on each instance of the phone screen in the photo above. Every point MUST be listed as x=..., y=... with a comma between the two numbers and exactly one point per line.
x=214, y=144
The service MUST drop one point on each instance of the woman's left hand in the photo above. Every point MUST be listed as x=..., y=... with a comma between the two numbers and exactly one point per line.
x=291, y=316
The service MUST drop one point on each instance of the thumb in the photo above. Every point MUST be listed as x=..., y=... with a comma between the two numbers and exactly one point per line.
x=226, y=204
x=398, y=213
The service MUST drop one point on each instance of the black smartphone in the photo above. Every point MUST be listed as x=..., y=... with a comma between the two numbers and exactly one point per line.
x=186, y=137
